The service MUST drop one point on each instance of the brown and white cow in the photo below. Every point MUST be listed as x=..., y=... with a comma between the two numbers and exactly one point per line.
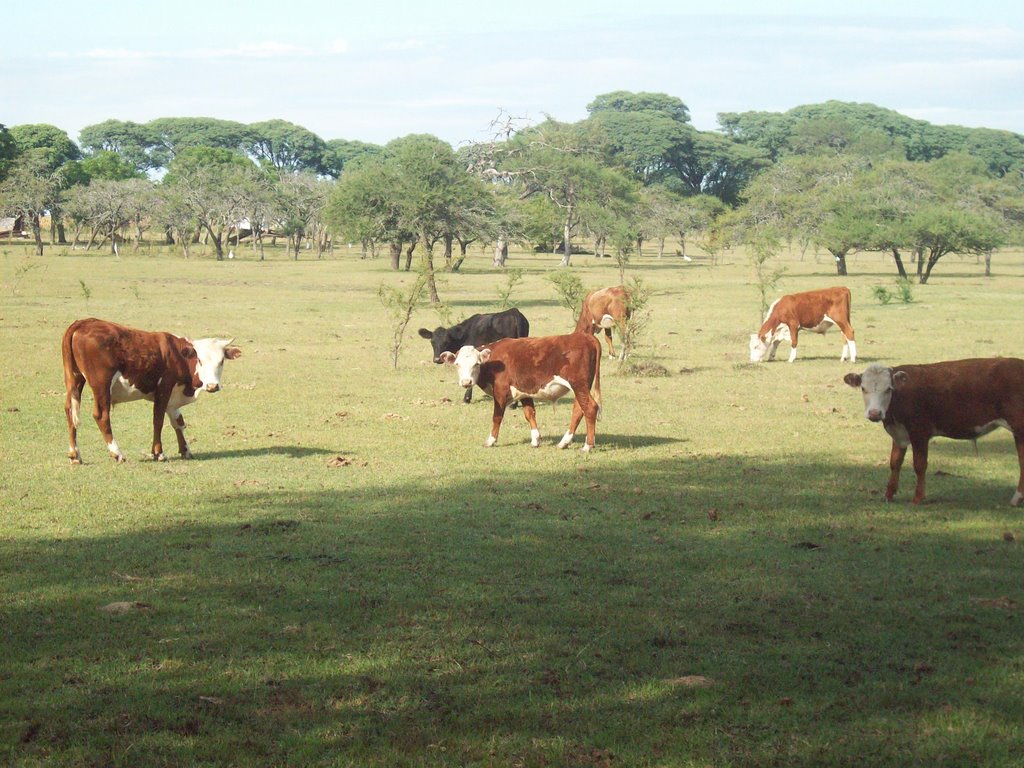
x=537, y=368
x=960, y=399
x=605, y=308
x=811, y=310
x=121, y=364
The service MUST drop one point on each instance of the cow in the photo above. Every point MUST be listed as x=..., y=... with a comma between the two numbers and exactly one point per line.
x=537, y=368
x=811, y=310
x=605, y=308
x=475, y=331
x=121, y=364
x=960, y=399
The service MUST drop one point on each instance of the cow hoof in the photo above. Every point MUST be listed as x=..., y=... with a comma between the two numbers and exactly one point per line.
x=75, y=461
x=118, y=459
x=159, y=457
x=187, y=455
x=587, y=448
x=1017, y=498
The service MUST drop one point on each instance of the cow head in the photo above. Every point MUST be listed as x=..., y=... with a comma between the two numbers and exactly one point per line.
x=758, y=348
x=467, y=363
x=876, y=384
x=442, y=340
x=210, y=355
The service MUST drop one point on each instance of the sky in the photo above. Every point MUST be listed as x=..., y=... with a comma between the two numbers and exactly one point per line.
x=375, y=70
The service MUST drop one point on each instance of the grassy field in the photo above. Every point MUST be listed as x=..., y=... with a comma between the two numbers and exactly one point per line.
x=344, y=576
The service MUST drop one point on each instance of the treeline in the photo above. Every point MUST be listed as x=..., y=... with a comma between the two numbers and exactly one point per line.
x=835, y=176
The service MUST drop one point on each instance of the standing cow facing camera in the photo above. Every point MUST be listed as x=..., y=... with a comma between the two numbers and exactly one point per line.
x=810, y=311
x=122, y=364
x=544, y=368
x=959, y=399
x=475, y=331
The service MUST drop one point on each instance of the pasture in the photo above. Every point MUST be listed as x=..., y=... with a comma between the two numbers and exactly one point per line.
x=345, y=576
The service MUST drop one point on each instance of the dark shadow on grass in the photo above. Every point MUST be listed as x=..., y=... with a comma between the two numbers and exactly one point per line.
x=592, y=616
x=291, y=451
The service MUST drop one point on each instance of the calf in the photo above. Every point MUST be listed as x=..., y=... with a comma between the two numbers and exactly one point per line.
x=475, y=331
x=961, y=399
x=605, y=308
x=545, y=368
x=121, y=364
x=812, y=310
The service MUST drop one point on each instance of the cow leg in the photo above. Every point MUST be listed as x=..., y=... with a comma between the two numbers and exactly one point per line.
x=849, y=345
x=899, y=452
x=773, y=350
x=920, y=467
x=530, y=412
x=499, y=414
x=101, y=412
x=608, y=341
x=1018, y=436
x=73, y=409
x=159, y=409
x=583, y=406
x=468, y=397
x=793, y=331
x=178, y=422
x=574, y=421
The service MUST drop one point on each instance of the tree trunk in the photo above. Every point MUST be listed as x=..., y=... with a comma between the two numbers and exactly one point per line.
x=933, y=259
x=463, y=247
x=408, y=255
x=500, y=253
x=428, y=258
x=639, y=247
x=566, y=242
x=37, y=233
x=840, y=262
x=899, y=263
x=661, y=247
x=61, y=236
x=988, y=263
x=396, y=254
x=448, y=252
x=217, y=245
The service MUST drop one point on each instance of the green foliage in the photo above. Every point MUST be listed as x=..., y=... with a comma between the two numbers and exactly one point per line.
x=639, y=318
x=400, y=305
x=513, y=277
x=570, y=289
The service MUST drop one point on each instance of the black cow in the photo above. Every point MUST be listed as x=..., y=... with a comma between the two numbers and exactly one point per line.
x=476, y=330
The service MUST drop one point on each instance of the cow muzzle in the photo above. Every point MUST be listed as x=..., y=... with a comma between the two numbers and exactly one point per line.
x=467, y=383
x=875, y=415
x=212, y=387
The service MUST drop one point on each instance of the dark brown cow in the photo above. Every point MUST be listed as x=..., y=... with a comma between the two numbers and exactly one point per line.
x=811, y=310
x=121, y=364
x=605, y=308
x=961, y=399
x=528, y=369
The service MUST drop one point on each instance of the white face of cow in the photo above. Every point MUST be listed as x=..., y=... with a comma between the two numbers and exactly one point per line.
x=210, y=357
x=876, y=384
x=467, y=364
x=758, y=348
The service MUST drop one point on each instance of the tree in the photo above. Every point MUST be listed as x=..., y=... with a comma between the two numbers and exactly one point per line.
x=285, y=146
x=108, y=165
x=48, y=142
x=172, y=135
x=299, y=200
x=30, y=189
x=338, y=153
x=133, y=142
x=8, y=151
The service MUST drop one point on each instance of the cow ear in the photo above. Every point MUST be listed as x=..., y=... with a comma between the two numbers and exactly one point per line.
x=447, y=357
x=899, y=379
x=485, y=355
x=232, y=353
x=188, y=352
x=425, y=333
x=852, y=379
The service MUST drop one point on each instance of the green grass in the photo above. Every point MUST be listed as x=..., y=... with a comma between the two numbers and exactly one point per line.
x=718, y=584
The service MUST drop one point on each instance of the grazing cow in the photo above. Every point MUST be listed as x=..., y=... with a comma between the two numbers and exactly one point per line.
x=961, y=399
x=475, y=331
x=122, y=364
x=813, y=311
x=539, y=368
x=605, y=308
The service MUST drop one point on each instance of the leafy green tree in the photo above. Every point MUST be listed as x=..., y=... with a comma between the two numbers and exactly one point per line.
x=8, y=151
x=133, y=142
x=338, y=153
x=30, y=189
x=172, y=135
x=109, y=166
x=48, y=142
x=299, y=201
x=285, y=146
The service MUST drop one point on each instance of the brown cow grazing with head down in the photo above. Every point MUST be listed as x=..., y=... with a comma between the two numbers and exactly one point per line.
x=961, y=399
x=811, y=310
x=538, y=368
x=121, y=364
x=605, y=308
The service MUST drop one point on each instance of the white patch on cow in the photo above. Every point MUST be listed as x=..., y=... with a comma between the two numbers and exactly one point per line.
x=491, y=440
x=553, y=390
x=792, y=354
x=984, y=429
x=114, y=450
x=535, y=437
x=826, y=323
x=757, y=348
x=76, y=411
x=587, y=447
x=607, y=321
x=899, y=434
x=467, y=364
x=1016, y=499
x=566, y=439
x=853, y=349
x=123, y=391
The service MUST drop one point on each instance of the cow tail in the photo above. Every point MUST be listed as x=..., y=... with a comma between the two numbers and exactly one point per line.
x=71, y=373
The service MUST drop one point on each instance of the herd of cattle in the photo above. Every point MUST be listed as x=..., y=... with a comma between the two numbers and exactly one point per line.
x=961, y=399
